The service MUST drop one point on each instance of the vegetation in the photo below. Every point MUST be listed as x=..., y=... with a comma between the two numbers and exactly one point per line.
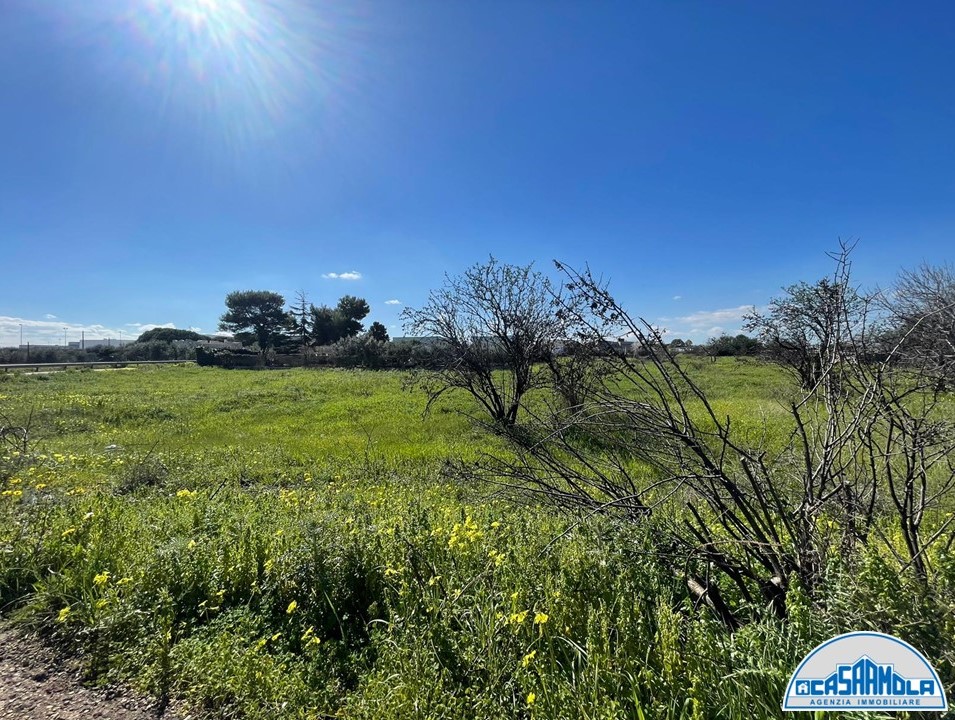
x=169, y=335
x=255, y=316
x=258, y=317
x=866, y=447
x=493, y=326
x=921, y=308
x=312, y=543
x=286, y=545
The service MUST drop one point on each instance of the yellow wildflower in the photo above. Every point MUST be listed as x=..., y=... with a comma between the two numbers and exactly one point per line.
x=529, y=658
x=291, y=607
x=64, y=613
x=101, y=578
x=531, y=697
x=541, y=618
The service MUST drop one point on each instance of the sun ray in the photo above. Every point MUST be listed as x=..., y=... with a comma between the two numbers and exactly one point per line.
x=241, y=72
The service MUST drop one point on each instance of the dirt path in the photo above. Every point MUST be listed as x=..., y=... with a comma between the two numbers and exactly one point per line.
x=36, y=683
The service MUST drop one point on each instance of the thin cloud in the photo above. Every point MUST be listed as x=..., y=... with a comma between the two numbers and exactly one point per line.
x=143, y=327
x=351, y=275
x=50, y=316
x=50, y=332
x=713, y=317
x=677, y=297
x=704, y=324
x=392, y=302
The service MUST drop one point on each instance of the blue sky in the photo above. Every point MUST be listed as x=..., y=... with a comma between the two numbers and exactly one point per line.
x=158, y=154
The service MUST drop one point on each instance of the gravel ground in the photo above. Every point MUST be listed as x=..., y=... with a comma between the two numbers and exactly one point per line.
x=38, y=683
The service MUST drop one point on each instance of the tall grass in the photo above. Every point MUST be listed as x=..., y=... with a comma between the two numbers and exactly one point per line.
x=284, y=545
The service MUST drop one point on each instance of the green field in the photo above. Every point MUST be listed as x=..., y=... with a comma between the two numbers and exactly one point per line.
x=285, y=545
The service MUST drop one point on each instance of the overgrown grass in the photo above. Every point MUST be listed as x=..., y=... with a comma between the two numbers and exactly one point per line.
x=283, y=545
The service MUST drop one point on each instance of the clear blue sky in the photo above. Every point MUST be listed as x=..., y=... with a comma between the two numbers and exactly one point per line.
x=157, y=154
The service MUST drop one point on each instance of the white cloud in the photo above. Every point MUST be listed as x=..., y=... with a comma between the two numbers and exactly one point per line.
x=143, y=327
x=50, y=316
x=50, y=332
x=140, y=328
x=351, y=275
x=704, y=324
x=677, y=297
x=710, y=317
x=392, y=302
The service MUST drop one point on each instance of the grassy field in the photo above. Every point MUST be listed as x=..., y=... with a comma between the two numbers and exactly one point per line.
x=284, y=545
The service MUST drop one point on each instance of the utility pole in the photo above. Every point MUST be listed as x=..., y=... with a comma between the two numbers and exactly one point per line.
x=64, y=337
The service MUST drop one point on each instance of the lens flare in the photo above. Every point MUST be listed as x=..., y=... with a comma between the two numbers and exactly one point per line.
x=243, y=64
x=241, y=72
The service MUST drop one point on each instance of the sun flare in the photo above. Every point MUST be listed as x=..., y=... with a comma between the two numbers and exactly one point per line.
x=240, y=71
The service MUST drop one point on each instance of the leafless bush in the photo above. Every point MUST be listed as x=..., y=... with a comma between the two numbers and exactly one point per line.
x=641, y=437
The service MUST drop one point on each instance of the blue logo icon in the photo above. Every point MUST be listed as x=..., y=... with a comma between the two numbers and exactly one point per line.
x=865, y=671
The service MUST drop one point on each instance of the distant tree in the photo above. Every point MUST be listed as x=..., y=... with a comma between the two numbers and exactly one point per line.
x=322, y=326
x=733, y=346
x=921, y=309
x=349, y=313
x=809, y=322
x=494, y=323
x=378, y=332
x=169, y=335
x=299, y=315
x=255, y=316
x=329, y=325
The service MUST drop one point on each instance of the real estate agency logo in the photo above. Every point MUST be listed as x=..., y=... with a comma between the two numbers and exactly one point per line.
x=865, y=671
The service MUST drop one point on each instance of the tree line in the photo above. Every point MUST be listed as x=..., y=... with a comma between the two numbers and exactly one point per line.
x=259, y=318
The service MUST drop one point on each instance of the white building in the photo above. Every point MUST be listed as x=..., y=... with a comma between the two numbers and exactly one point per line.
x=89, y=343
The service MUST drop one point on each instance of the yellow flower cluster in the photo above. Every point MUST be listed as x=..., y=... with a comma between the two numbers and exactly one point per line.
x=465, y=532
x=309, y=638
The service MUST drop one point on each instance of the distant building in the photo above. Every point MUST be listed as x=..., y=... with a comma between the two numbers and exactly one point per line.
x=90, y=343
x=218, y=344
